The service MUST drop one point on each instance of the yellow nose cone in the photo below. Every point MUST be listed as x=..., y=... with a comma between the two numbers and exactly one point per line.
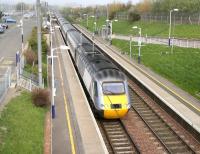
x=115, y=113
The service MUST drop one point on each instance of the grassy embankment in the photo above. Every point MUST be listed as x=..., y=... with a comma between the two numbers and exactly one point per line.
x=181, y=67
x=22, y=126
x=151, y=29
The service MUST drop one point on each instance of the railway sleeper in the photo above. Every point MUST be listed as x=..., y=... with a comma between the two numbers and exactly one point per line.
x=128, y=148
x=179, y=149
x=158, y=125
x=111, y=126
x=119, y=140
x=121, y=144
x=113, y=129
x=154, y=121
x=174, y=142
x=150, y=117
x=117, y=136
x=161, y=129
x=169, y=138
x=115, y=132
x=150, y=112
x=165, y=133
x=126, y=152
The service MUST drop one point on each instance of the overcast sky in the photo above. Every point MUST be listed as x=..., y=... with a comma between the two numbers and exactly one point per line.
x=77, y=2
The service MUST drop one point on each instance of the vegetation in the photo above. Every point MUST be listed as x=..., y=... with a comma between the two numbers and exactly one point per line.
x=22, y=126
x=150, y=29
x=31, y=55
x=185, y=6
x=41, y=97
x=181, y=67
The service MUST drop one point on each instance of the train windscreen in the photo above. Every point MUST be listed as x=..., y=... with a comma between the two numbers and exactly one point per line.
x=113, y=88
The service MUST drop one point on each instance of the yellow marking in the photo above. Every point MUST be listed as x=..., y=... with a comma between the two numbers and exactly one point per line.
x=67, y=111
x=115, y=99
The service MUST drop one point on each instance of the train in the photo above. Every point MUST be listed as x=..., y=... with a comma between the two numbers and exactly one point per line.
x=106, y=85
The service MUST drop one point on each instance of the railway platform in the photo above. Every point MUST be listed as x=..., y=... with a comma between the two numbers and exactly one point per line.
x=184, y=105
x=74, y=129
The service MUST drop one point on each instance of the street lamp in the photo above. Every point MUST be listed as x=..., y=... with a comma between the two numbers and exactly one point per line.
x=111, y=28
x=62, y=47
x=139, y=43
x=86, y=19
x=170, y=24
x=93, y=36
x=95, y=23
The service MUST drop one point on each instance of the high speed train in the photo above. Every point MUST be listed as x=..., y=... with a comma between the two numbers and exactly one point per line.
x=105, y=83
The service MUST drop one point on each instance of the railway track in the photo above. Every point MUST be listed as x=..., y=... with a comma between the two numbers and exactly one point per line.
x=117, y=138
x=168, y=138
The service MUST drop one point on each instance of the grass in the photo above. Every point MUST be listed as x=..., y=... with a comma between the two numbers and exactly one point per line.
x=22, y=127
x=181, y=67
x=151, y=29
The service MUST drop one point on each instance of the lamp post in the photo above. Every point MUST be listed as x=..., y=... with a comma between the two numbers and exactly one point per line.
x=39, y=42
x=95, y=23
x=53, y=89
x=86, y=20
x=170, y=24
x=139, y=43
x=93, y=37
x=111, y=28
x=62, y=47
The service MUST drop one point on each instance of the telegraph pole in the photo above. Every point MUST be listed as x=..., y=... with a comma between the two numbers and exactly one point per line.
x=39, y=42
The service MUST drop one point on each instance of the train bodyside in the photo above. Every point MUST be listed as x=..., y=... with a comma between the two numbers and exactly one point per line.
x=105, y=83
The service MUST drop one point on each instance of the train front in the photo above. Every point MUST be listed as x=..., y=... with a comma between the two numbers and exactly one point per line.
x=113, y=101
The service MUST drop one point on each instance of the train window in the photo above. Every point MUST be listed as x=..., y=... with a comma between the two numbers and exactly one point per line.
x=113, y=88
x=95, y=89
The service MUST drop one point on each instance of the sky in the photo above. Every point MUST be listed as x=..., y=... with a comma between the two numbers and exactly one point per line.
x=71, y=2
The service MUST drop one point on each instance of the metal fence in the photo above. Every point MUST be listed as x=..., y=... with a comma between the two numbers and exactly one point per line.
x=164, y=18
x=5, y=81
x=178, y=19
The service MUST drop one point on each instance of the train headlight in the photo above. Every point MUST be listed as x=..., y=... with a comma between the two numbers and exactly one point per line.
x=101, y=106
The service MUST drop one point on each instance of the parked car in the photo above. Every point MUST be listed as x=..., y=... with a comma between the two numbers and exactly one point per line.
x=10, y=20
x=1, y=29
x=5, y=26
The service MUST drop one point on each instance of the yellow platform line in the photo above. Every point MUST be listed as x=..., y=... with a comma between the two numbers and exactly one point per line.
x=67, y=111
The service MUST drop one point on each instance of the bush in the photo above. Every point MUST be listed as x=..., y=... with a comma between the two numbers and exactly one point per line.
x=41, y=97
x=133, y=16
x=30, y=57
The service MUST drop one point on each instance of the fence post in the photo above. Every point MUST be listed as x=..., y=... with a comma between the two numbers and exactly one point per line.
x=9, y=77
x=146, y=39
x=130, y=47
x=30, y=88
x=5, y=81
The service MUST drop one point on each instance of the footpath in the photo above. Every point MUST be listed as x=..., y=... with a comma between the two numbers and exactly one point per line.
x=185, y=43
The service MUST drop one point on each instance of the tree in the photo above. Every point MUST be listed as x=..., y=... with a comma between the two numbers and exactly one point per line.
x=21, y=5
x=144, y=7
